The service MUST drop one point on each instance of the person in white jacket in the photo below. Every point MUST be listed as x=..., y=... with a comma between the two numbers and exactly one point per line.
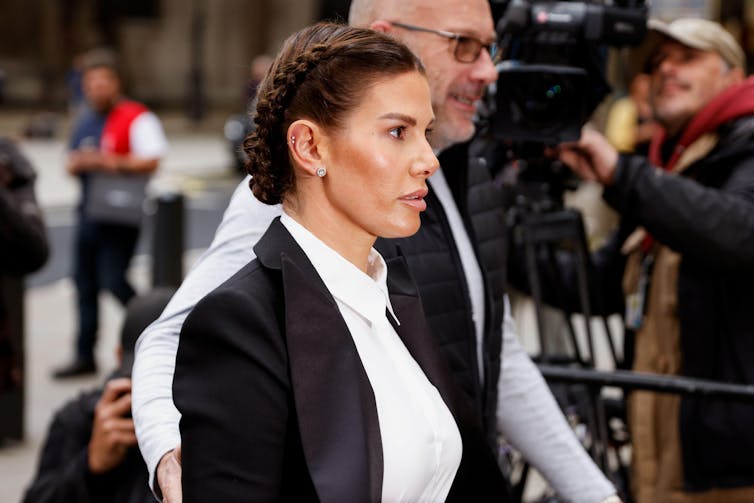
x=528, y=415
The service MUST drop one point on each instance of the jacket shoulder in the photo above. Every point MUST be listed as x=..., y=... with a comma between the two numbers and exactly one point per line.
x=735, y=139
x=250, y=301
x=251, y=280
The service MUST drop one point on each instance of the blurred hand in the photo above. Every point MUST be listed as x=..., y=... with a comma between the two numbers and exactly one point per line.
x=169, y=476
x=113, y=432
x=83, y=160
x=110, y=163
x=591, y=157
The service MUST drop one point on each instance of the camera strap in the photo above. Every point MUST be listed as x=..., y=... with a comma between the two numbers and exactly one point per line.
x=636, y=301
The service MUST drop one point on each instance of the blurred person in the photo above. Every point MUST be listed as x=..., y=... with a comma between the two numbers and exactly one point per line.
x=238, y=126
x=23, y=246
x=90, y=453
x=116, y=143
x=684, y=258
x=257, y=70
x=630, y=126
x=310, y=374
x=457, y=258
x=74, y=86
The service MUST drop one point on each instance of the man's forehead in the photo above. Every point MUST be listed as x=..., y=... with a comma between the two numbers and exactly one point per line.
x=670, y=44
x=470, y=17
x=668, y=47
x=100, y=72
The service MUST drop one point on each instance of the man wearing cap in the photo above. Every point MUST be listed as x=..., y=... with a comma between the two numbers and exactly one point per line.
x=684, y=256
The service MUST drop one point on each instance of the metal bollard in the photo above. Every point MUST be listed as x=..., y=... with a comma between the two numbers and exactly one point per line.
x=12, y=399
x=167, y=242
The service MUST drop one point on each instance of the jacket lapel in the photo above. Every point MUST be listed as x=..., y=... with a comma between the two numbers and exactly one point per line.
x=334, y=402
x=478, y=477
x=415, y=334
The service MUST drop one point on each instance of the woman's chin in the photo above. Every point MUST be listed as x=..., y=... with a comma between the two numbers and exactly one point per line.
x=404, y=230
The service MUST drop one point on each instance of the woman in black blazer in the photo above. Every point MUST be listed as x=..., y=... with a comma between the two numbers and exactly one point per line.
x=297, y=379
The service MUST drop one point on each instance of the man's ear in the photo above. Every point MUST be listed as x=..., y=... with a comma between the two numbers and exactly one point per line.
x=305, y=142
x=738, y=75
x=381, y=26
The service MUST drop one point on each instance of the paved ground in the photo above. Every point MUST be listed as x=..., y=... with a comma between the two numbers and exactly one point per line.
x=198, y=164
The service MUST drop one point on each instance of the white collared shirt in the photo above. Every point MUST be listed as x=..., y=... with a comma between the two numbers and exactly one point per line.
x=421, y=444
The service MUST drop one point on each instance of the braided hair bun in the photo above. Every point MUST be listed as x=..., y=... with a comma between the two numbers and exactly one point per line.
x=321, y=74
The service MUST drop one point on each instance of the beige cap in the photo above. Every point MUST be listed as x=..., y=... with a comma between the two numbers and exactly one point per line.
x=692, y=32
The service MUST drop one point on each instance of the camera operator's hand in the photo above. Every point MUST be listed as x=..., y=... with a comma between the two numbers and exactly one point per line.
x=113, y=429
x=169, y=476
x=591, y=158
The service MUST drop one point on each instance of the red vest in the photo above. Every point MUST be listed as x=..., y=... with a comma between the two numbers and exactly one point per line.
x=116, y=132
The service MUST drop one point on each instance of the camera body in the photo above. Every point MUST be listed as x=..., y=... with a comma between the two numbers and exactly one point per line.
x=552, y=76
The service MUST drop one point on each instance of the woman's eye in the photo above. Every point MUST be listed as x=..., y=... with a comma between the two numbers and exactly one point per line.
x=398, y=132
x=428, y=134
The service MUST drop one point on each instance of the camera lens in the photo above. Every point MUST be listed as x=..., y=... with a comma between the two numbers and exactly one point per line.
x=544, y=104
x=541, y=103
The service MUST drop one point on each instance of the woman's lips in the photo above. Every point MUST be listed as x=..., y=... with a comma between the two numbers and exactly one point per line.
x=415, y=199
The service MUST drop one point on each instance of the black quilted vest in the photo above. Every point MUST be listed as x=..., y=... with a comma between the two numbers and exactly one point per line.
x=435, y=264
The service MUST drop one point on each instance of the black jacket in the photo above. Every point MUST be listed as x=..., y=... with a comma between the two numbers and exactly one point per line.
x=707, y=215
x=275, y=402
x=23, y=240
x=63, y=475
x=23, y=249
x=434, y=261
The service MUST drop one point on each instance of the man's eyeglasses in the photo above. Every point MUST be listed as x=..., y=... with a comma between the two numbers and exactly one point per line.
x=467, y=49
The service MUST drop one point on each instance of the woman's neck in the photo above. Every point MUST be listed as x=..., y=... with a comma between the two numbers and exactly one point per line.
x=347, y=239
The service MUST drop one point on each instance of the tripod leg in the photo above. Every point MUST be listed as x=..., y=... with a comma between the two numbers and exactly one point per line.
x=536, y=289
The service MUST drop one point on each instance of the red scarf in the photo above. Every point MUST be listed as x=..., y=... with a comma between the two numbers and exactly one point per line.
x=734, y=102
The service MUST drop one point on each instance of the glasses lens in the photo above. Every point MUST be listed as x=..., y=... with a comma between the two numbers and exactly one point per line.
x=495, y=53
x=468, y=49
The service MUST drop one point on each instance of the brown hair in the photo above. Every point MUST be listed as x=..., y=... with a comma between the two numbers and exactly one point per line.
x=321, y=74
x=100, y=57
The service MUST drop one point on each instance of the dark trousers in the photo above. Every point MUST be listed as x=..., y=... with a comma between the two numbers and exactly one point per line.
x=102, y=255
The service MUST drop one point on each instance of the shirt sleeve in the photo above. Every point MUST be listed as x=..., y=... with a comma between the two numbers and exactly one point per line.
x=147, y=137
x=532, y=421
x=155, y=416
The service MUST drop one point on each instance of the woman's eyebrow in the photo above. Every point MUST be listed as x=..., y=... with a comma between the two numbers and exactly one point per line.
x=402, y=117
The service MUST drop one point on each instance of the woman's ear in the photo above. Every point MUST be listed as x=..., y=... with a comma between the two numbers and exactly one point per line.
x=305, y=140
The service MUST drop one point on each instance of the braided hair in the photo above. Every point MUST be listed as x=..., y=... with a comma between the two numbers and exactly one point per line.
x=321, y=74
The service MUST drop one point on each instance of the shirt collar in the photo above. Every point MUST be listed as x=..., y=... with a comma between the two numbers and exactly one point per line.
x=367, y=294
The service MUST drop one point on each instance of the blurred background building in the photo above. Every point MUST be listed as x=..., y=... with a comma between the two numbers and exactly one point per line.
x=193, y=55
x=189, y=60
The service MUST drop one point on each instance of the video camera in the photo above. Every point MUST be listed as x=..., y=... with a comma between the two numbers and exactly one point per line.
x=552, y=74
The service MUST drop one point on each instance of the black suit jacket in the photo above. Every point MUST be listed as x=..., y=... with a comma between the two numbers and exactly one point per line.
x=275, y=403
